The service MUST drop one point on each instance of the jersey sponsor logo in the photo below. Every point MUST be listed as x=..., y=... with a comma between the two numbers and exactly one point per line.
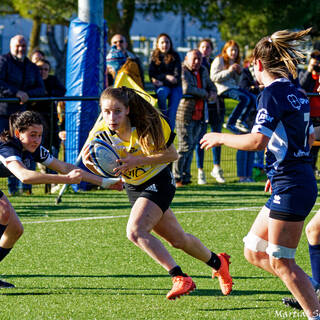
x=304, y=101
x=152, y=187
x=276, y=199
x=263, y=116
x=294, y=101
x=136, y=172
x=44, y=153
x=301, y=153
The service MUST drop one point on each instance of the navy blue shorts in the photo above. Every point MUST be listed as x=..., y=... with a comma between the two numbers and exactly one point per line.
x=160, y=189
x=294, y=194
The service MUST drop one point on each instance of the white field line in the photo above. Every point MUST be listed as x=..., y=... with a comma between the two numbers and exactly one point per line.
x=125, y=216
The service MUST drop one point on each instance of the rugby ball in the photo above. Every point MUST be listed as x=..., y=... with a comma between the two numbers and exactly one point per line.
x=104, y=157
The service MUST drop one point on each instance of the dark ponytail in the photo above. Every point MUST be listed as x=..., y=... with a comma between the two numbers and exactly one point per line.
x=20, y=121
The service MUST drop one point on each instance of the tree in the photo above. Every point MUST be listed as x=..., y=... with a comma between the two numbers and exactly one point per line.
x=245, y=21
x=50, y=12
x=119, y=16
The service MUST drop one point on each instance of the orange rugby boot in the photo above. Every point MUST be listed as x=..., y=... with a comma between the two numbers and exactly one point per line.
x=223, y=274
x=181, y=286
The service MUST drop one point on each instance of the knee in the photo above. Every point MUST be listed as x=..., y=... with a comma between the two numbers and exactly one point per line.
x=251, y=256
x=16, y=231
x=178, y=242
x=133, y=234
x=4, y=212
x=313, y=233
x=162, y=93
x=282, y=268
x=243, y=98
x=19, y=231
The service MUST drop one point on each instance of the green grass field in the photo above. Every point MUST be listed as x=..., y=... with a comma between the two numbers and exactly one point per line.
x=74, y=261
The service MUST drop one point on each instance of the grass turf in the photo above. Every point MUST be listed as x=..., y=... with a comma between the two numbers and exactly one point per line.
x=87, y=269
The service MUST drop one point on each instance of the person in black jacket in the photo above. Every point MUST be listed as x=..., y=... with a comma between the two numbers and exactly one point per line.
x=165, y=74
x=48, y=110
x=19, y=78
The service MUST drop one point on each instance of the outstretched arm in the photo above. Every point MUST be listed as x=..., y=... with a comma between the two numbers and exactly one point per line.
x=33, y=177
x=70, y=175
x=65, y=168
x=248, y=142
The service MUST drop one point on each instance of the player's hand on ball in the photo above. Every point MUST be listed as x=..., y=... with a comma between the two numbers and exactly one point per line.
x=87, y=161
x=126, y=163
x=117, y=186
x=75, y=176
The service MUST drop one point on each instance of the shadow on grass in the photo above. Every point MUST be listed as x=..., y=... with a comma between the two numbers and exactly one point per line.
x=134, y=291
x=228, y=187
x=234, y=309
x=216, y=292
x=114, y=276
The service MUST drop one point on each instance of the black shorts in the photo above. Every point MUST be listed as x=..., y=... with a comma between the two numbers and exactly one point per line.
x=1, y=194
x=160, y=189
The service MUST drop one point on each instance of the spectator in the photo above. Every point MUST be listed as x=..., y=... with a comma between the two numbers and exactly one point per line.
x=191, y=113
x=118, y=56
x=20, y=78
x=36, y=55
x=250, y=164
x=215, y=119
x=309, y=81
x=165, y=74
x=48, y=110
x=225, y=73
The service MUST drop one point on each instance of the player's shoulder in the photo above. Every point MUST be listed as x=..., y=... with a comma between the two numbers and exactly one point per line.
x=10, y=145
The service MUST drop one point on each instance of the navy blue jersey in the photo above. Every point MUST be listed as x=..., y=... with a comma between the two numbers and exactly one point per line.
x=12, y=150
x=283, y=115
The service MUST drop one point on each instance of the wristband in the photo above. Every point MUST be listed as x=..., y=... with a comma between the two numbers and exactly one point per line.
x=107, y=182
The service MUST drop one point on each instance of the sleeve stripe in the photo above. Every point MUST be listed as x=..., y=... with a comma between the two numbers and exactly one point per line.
x=264, y=130
x=171, y=139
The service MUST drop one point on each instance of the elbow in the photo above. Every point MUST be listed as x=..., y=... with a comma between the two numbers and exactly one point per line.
x=25, y=180
x=259, y=146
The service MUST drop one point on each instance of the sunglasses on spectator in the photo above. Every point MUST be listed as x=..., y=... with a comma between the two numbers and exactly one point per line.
x=120, y=41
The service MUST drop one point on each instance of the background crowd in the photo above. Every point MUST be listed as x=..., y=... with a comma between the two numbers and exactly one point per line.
x=191, y=96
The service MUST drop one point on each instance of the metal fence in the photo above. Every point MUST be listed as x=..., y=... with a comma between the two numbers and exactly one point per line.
x=228, y=155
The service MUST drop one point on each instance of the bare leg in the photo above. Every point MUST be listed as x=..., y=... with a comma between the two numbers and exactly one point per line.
x=14, y=228
x=143, y=217
x=170, y=229
x=287, y=234
x=260, y=229
x=313, y=229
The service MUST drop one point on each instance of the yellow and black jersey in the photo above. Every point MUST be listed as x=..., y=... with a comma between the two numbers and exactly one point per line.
x=139, y=174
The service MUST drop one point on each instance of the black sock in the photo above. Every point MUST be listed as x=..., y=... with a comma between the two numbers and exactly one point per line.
x=214, y=261
x=2, y=229
x=4, y=252
x=176, y=271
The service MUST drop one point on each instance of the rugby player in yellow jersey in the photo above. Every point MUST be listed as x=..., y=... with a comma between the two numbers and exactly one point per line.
x=144, y=142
